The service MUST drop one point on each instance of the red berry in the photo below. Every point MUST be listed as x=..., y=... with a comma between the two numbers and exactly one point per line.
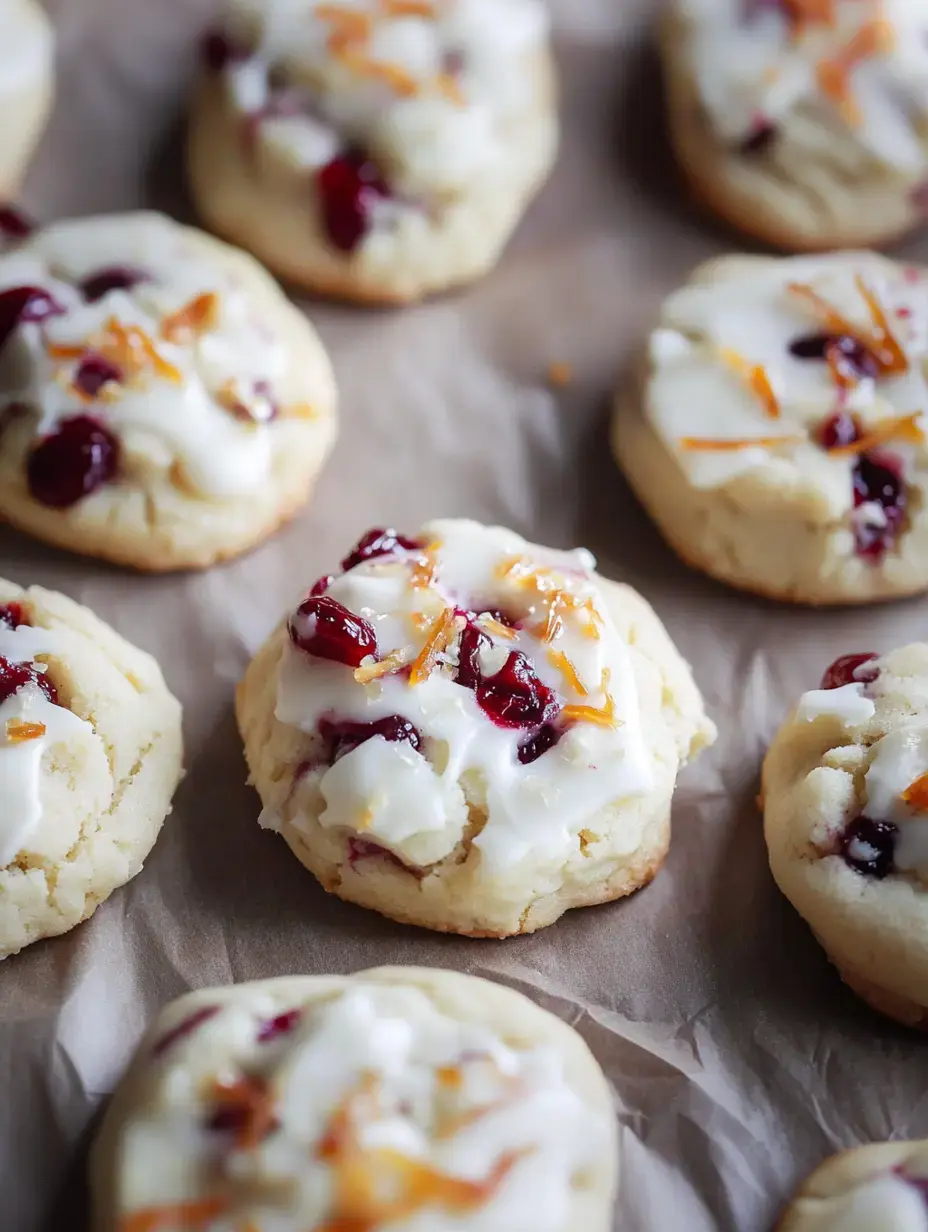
x=327, y=629
x=112, y=278
x=322, y=585
x=21, y=304
x=377, y=542
x=93, y=373
x=218, y=50
x=839, y=429
x=342, y=738
x=348, y=187
x=280, y=1024
x=15, y=676
x=877, y=479
x=73, y=462
x=14, y=225
x=515, y=697
x=850, y=354
x=545, y=738
x=12, y=615
x=468, y=673
x=846, y=670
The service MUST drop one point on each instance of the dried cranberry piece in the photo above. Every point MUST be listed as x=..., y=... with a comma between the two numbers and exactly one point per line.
x=846, y=670
x=322, y=585
x=342, y=738
x=515, y=697
x=15, y=676
x=869, y=846
x=327, y=629
x=468, y=673
x=838, y=429
x=14, y=225
x=762, y=136
x=877, y=479
x=378, y=542
x=364, y=849
x=852, y=356
x=112, y=278
x=348, y=187
x=229, y=1118
x=218, y=50
x=280, y=1024
x=186, y=1027
x=12, y=615
x=73, y=462
x=93, y=373
x=22, y=304
x=544, y=739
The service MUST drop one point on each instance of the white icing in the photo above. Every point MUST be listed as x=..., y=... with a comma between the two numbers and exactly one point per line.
x=21, y=762
x=158, y=419
x=430, y=143
x=415, y=805
x=509, y=1101
x=846, y=703
x=884, y=1204
x=897, y=760
x=747, y=308
x=763, y=70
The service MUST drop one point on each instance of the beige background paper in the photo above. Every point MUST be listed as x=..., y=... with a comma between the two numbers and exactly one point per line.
x=737, y=1059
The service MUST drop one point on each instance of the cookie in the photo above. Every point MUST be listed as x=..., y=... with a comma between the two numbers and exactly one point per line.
x=90, y=754
x=846, y=821
x=775, y=430
x=400, y=1097
x=162, y=405
x=878, y=1188
x=377, y=150
x=26, y=86
x=804, y=125
x=471, y=733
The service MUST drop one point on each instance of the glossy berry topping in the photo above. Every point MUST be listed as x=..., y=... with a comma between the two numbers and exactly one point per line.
x=327, y=629
x=473, y=640
x=93, y=373
x=184, y=1028
x=544, y=739
x=869, y=846
x=112, y=278
x=73, y=462
x=218, y=50
x=378, y=542
x=877, y=479
x=515, y=697
x=280, y=1024
x=839, y=429
x=342, y=738
x=348, y=187
x=15, y=676
x=322, y=585
x=847, y=670
x=19, y=305
x=12, y=616
x=14, y=225
x=851, y=356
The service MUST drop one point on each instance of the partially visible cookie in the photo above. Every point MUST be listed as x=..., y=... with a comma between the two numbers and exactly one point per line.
x=469, y=732
x=878, y=1188
x=776, y=430
x=26, y=87
x=401, y=1098
x=803, y=124
x=90, y=754
x=378, y=151
x=162, y=404
x=846, y=822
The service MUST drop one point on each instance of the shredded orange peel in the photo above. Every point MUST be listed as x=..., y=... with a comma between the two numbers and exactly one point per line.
x=602, y=716
x=874, y=38
x=729, y=445
x=439, y=638
x=558, y=659
x=916, y=794
x=395, y=661
x=902, y=428
x=128, y=347
x=879, y=340
x=19, y=731
x=550, y=587
x=496, y=628
x=425, y=567
x=199, y=316
x=189, y=1216
x=755, y=376
x=804, y=13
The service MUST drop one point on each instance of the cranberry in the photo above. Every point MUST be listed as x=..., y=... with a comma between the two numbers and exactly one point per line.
x=342, y=738
x=364, y=849
x=93, y=373
x=877, y=480
x=112, y=278
x=14, y=225
x=15, y=676
x=348, y=186
x=846, y=670
x=851, y=354
x=73, y=462
x=327, y=629
x=838, y=429
x=12, y=615
x=473, y=640
x=218, y=50
x=20, y=304
x=280, y=1024
x=762, y=136
x=186, y=1027
x=868, y=847
x=377, y=542
x=322, y=585
x=229, y=1118
x=545, y=738
x=515, y=697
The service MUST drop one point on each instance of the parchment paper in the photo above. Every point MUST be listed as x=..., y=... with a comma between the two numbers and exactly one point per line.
x=737, y=1058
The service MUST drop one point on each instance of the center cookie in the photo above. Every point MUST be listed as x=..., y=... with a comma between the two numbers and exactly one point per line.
x=378, y=150
x=469, y=732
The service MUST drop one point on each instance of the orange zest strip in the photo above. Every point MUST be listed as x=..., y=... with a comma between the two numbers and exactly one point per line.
x=197, y=317
x=18, y=731
x=65, y=350
x=904, y=428
x=707, y=443
x=755, y=375
x=916, y=794
x=349, y=23
x=438, y=639
x=497, y=629
x=408, y=8
x=191, y=1216
x=558, y=659
x=603, y=716
x=804, y=13
x=393, y=662
x=300, y=410
x=425, y=567
x=883, y=343
x=874, y=38
x=449, y=1076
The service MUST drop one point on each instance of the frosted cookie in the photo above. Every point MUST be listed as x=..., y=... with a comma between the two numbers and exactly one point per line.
x=803, y=122
x=400, y=1098
x=846, y=820
x=162, y=405
x=877, y=1188
x=26, y=87
x=777, y=434
x=378, y=150
x=468, y=732
x=90, y=754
